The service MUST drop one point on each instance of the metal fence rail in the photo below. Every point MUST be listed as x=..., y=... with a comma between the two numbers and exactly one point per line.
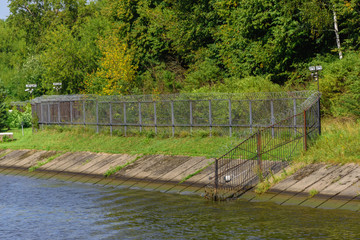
x=265, y=152
x=217, y=114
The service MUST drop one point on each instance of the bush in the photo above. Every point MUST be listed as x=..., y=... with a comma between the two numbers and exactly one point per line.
x=15, y=117
x=340, y=86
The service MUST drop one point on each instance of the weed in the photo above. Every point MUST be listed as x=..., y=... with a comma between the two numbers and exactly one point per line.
x=195, y=173
x=42, y=163
x=115, y=169
x=313, y=192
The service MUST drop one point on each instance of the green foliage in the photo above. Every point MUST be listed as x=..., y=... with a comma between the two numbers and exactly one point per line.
x=16, y=117
x=3, y=107
x=340, y=86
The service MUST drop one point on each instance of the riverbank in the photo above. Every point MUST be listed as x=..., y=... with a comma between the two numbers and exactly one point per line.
x=159, y=172
x=315, y=185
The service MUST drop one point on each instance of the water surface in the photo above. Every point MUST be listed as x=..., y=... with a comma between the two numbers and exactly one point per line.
x=48, y=209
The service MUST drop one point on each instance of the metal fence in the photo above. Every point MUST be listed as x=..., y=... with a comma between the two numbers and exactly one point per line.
x=265, y=152
x=213, y=114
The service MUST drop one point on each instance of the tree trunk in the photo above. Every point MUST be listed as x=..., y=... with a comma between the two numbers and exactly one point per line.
x=336, y=30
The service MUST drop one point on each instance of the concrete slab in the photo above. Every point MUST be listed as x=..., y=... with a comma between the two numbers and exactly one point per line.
x=350, y=192
x=315, y=176
x=353, y=205
x=293, y=179
x=342, y=184
x=331, y=178
x=314, y=202
x=332, y=204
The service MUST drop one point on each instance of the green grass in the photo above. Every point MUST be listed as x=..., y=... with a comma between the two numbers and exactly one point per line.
x=42, y=163
x=339, y=143
x=78, y=140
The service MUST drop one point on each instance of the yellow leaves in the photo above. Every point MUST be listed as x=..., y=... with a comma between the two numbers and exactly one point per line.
x=116, y=72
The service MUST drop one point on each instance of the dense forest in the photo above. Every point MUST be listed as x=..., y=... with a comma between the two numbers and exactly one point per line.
x=168, y=46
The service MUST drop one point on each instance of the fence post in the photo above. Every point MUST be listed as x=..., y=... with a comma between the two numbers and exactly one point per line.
x=319, y=115
x=294, y=116
x=125, y=126
x=259, y=156
x=71, y=112
x=172, y=118
x=272, y=118
x=84, y=114
x=155, y=118
x=191, y=116
x=97, y=116
x=210, y=118
x=140, y=119
x=251, y=119
x=49, y=112
x=59, y=113
x=230, y=119
x=305, y=132
x=110, y=120
x=42, y=115
x=216, y=178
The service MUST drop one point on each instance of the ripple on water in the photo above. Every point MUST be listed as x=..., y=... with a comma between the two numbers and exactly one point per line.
x=49, y=209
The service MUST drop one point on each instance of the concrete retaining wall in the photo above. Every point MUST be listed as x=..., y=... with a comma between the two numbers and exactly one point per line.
x=164, y=173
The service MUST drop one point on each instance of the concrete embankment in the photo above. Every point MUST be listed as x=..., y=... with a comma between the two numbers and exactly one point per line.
x=164, y=173
x=319, y=186
x=316, y=185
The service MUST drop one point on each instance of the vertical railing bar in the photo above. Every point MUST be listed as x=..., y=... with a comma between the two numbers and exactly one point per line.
x=294, y=117
x=71, y=112
x=58, y=112
x=272, y=117
x=172, y=118
x=110, y=119
x=140, y=117
x=251, y=119
x=230, y=119
x=97, y=116
x=125, y=124
x=210, y=118
x=155, y=118
x=49, y=116
x=305, y=133
x=191, y=116
x=84, y=114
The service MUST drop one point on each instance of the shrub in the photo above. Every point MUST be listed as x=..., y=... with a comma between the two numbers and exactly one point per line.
x=15, y=117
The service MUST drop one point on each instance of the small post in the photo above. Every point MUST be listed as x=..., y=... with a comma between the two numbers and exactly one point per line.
x=251, y=118
x=71, y=112
x=172, y=118
x=272, y=118
x=294, y=117
x=84, y=114
x=210, y=118
x=59, y=115
x=110, y=118
x=216, y=179
x=97, y=116
x=140, y=119
x=49, y=119
x=125, y=126
x=230, y=119
x=305, y=132
x=191, y=116
x=319, y=115
x=155, y=118
x=259, y=157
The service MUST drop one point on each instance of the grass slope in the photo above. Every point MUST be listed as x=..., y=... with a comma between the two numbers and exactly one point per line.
x=76, y=140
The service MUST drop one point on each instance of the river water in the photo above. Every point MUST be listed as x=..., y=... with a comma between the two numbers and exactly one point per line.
x=48, y=209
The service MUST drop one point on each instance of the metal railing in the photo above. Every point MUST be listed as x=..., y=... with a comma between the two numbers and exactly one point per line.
x=217, y=114
x=265, y=152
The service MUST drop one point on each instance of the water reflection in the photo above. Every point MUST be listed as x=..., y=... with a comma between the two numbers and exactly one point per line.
x=39, y=209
